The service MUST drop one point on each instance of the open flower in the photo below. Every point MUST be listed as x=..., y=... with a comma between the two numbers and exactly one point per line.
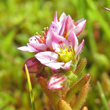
x=37, y=43
x=58, y=47
x=65, y=24
x=65, y=51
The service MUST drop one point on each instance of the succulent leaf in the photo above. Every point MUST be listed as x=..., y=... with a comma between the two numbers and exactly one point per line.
x=77, y=86
x=81, y=66
x=81, y=97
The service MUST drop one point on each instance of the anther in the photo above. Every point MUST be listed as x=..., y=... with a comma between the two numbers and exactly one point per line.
x=61, y=42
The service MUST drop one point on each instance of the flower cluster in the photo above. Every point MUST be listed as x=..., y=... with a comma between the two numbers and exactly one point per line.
x=58, y=47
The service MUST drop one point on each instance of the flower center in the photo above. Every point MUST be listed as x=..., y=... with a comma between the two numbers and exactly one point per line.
x=66, y=54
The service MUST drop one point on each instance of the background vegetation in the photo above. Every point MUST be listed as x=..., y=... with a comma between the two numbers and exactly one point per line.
x=20, y=19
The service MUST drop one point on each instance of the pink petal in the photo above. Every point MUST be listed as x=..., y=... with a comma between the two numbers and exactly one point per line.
x=57, y=41
x=46, y=57
x=49, y=58
x=55, y=18
x=27, y=49
x=55, y=65
x=33, y=46
x=80, y=47
x=38, y=46
x=67, y=65
x=62, y=28
x=73, y=39
x=33, y=39
x=62, y=17
x=24, y=48
x=79, y=27
x=77, y=22
x=57, y=82
x=49, y=40
x=54, y=26
x=33, y=65
x=69, y=26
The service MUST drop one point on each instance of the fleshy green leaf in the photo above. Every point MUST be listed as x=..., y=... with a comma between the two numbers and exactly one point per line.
x=81, y=97
x=81, y=66
x=77, y=86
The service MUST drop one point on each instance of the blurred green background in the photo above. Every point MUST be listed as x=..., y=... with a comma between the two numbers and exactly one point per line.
x=21, y=19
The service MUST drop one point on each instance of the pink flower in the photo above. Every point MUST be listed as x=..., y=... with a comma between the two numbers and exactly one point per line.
x=65, y=24
x=57, y=82
x=58, y=48
x=37, y=43
x=65, y=51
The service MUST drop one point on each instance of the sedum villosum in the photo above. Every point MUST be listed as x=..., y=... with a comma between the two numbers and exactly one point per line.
x=58, y=49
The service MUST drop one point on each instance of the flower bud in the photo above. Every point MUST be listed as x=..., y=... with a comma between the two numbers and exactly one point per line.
x=33, y=65
x=57, y=82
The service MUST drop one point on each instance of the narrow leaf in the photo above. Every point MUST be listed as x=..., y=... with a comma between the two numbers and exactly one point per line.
x=62, y=105
x=7, y=41
x=81, y=97
x=28, y=78
x=104, y=101
x=77, y=86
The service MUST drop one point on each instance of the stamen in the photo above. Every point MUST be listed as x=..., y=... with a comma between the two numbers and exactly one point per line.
x=53, y=50
x=44, y=38
x=68, y=50
x=69, y=40
x=65, y=47
x=76, y=24
x=46, y=30
x=70, y=46
x=61, y=42
x=40, y=40
x=44, y=34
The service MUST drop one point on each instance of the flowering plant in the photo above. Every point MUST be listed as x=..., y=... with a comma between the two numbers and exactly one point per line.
x=58, y=49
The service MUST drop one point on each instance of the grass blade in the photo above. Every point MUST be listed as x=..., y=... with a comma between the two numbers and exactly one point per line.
x=104, y=101
x=30, y=89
